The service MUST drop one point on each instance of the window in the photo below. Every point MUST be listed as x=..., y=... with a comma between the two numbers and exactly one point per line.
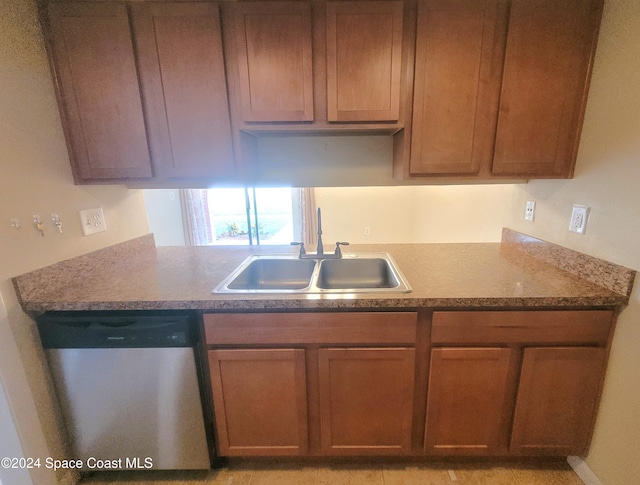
x=250, y=216
x=245, y=216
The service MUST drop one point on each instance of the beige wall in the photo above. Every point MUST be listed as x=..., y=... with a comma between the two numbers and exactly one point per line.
x=164, y=213
x=473, y=213
x=35, y=178
x=607, y=179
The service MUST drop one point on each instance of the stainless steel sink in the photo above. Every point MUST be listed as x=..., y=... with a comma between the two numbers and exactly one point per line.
x=274, y=274
x=353, y=273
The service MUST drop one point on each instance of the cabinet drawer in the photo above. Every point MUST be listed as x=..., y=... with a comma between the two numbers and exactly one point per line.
x=397, y=328
x=579, y=327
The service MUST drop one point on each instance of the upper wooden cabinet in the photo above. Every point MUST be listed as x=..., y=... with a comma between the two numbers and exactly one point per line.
x=98, y=91
x=275, y=60
x=459, y=51
x=318, y=66
x=544, y=89
x=178, y=92
x=364, y=49
x=500, y=88
x=181, y=62
x=143, y=91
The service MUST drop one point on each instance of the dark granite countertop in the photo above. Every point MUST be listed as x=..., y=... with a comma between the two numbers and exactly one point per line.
x=519, y=272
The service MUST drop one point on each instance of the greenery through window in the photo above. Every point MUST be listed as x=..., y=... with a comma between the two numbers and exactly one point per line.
x=250, y=215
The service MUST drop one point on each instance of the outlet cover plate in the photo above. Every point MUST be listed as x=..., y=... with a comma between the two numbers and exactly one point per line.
x=92, y=221
x=579, y=216
x=530, y=210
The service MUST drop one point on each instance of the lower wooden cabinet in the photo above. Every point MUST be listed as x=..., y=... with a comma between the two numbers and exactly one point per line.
x=466, y=398
x=557, y=400
x=366, y=401
x=515, y=383
x=472, y=383
x=260, y=401
x=316, y=383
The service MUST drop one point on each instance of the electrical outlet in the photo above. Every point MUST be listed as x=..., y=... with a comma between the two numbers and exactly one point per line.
x=579, y=217
x=530, y=210
x=367, y=231
x=92, y=221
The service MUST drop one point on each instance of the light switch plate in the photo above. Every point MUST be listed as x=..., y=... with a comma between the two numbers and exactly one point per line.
x=92, y=221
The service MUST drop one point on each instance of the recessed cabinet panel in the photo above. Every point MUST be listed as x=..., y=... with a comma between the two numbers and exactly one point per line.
x=366, y=400
x=183, y=78
x=546, y=72
x=557, y=400
x=260, y=402
x=466, y=400
x=459, y=52
x=99, y=93
x=364, y=47
x=275, y=60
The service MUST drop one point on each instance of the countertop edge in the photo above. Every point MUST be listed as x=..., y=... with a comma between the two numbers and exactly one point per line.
x=355, y=304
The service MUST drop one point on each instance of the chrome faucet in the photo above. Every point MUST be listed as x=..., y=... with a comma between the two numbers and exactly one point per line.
x=319, y=254
x=319, y=246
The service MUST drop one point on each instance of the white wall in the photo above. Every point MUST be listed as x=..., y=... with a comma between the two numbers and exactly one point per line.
x=35, y=178
x=607, y=179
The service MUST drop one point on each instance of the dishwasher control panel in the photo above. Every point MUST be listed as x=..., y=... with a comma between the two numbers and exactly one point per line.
x=115, y=330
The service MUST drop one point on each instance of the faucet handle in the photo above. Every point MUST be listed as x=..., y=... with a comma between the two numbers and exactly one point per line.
x=302, y=250
x=338, y=252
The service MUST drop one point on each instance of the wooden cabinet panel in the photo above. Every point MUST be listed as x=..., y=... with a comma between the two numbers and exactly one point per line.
x=275, y=60
x=183, y=78
x=590, y=327
x=546, y=77
x=459, y=53
x=364, y=47
x=349, y=328
x=260, y=402
x=557, y=400
x=366, y=400
x=465, y=401
x=98, y=88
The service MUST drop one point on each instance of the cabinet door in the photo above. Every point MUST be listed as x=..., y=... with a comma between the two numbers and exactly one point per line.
x=459, y=54
x=183, y=80
x=366, y=401
x=546, y=77
x=275, y=60
x=260, y=403
x=364, y=48
x=466, y=400
x=557, y=400
x=94, y=61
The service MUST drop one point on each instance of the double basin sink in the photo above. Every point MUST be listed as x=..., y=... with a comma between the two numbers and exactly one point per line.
x=353, y=273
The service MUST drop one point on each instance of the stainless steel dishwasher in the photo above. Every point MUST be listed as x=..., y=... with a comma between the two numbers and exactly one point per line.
x=127, y=384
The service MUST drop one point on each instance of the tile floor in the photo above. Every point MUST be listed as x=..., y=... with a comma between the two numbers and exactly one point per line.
x=276, y=473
